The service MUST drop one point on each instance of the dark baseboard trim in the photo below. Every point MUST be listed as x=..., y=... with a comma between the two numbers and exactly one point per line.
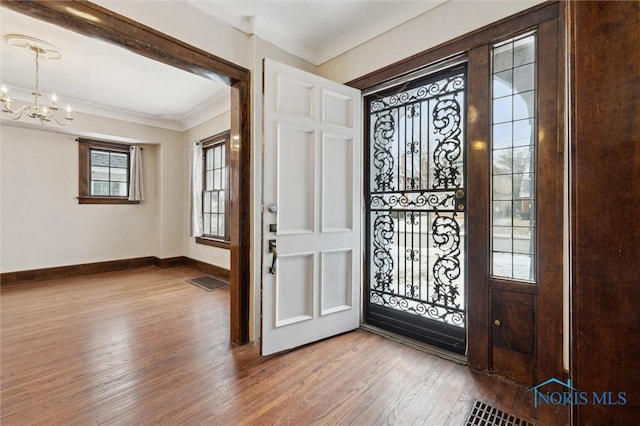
x=8, y=279
x=168, y=262
x=21, y=277
x=213, y=270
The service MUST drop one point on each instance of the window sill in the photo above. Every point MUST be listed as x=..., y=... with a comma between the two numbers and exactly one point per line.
x=213, y=242
x=105, y=200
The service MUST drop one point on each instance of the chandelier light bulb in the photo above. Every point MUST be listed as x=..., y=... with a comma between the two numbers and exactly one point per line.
x=43, y=50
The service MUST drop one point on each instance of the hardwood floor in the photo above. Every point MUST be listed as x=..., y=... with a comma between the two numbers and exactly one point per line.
x=144, y=347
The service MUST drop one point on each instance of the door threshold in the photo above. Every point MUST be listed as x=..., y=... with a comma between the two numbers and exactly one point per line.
x=415, y=344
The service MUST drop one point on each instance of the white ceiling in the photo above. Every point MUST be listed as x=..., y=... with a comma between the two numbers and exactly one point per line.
x=315, y=30
x=102, y=79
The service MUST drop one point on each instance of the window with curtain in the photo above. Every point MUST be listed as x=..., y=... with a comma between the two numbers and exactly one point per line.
x=215, y=194
x=107, y=171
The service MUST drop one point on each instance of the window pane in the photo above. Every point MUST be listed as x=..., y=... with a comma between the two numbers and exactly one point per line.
x=99, y=158
x=119, y=160
x=502, y=161
x=523, y=105
x=502, y=213
x=502, y=265
x=503, y=84
x=209, y=180
x=502, y=238
x=502, y=189
x=206, y=203
x=206, y=219
x=522, y=185
x=523, y=78
x=221, y=202
x=513, y=159
x=209, y=159
x=214, y=224
x=221, y=225
x=217, y=159
x=118, y=189
x=99, y=188
x=523, y=132
x=100, y=173
x=502, y=110
x=503, y=57
x=522, y=267
x=216, y=179
x=214, y=201
x=502, y=136
x=524, y=50
x=119, y=175
x=523, y=241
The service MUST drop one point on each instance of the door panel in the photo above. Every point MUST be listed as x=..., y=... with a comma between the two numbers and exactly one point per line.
x=513, y=334
x=312, y=173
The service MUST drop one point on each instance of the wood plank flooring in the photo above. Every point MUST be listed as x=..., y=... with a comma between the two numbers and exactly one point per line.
x=143, y=346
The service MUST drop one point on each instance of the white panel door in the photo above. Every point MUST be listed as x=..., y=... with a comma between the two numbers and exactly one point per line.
x=312, y=208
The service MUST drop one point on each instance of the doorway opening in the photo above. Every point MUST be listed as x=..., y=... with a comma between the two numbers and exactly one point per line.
x=94, y=21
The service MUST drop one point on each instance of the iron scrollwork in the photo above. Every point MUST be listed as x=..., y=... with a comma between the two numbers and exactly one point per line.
x=416, y=236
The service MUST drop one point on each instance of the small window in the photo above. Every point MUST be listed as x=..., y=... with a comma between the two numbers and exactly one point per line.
x=104, y=173
x=215, y=194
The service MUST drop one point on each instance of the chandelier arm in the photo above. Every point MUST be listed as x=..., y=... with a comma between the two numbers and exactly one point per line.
x=68, y=121
x=17, y=113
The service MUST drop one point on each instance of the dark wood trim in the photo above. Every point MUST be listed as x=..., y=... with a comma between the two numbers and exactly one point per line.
x=21, y=277
x=478, y=160
x=146, y=41
x=240, y=221
x=168, y=262
x=213, y=242
x=605, y=189
x=207, y=268
x=131, y=35
x=549, y=204
x=487, y=34
x=8, y=279
x=105, y=200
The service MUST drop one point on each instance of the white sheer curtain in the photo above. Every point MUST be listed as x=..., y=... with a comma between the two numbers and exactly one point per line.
x=136, y=185
x=195, y=169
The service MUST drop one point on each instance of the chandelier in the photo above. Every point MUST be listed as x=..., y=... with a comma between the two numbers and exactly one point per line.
x=36, y=110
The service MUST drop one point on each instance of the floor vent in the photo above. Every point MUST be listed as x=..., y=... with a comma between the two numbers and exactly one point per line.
x=484, y=414
x=208, y=283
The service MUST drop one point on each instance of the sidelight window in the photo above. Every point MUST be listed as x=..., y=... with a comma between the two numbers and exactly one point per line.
x=513, y=198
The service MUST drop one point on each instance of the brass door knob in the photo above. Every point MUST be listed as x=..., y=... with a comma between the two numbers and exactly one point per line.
x=497, y=323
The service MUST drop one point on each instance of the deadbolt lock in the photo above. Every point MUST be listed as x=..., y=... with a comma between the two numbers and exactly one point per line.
x=460, y=193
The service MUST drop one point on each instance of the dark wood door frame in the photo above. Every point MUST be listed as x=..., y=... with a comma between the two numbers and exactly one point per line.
x=119, y=30
x=548, y=298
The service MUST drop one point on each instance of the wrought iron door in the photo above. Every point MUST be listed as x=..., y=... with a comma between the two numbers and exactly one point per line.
x=416, y=209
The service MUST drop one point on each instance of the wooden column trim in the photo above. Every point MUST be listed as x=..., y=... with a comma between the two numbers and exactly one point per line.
x=478, y=157
x=550, y=197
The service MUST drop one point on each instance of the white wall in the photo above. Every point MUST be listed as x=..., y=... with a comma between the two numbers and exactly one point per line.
x=446, y=22
x=212, y=255
x=41, y=223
